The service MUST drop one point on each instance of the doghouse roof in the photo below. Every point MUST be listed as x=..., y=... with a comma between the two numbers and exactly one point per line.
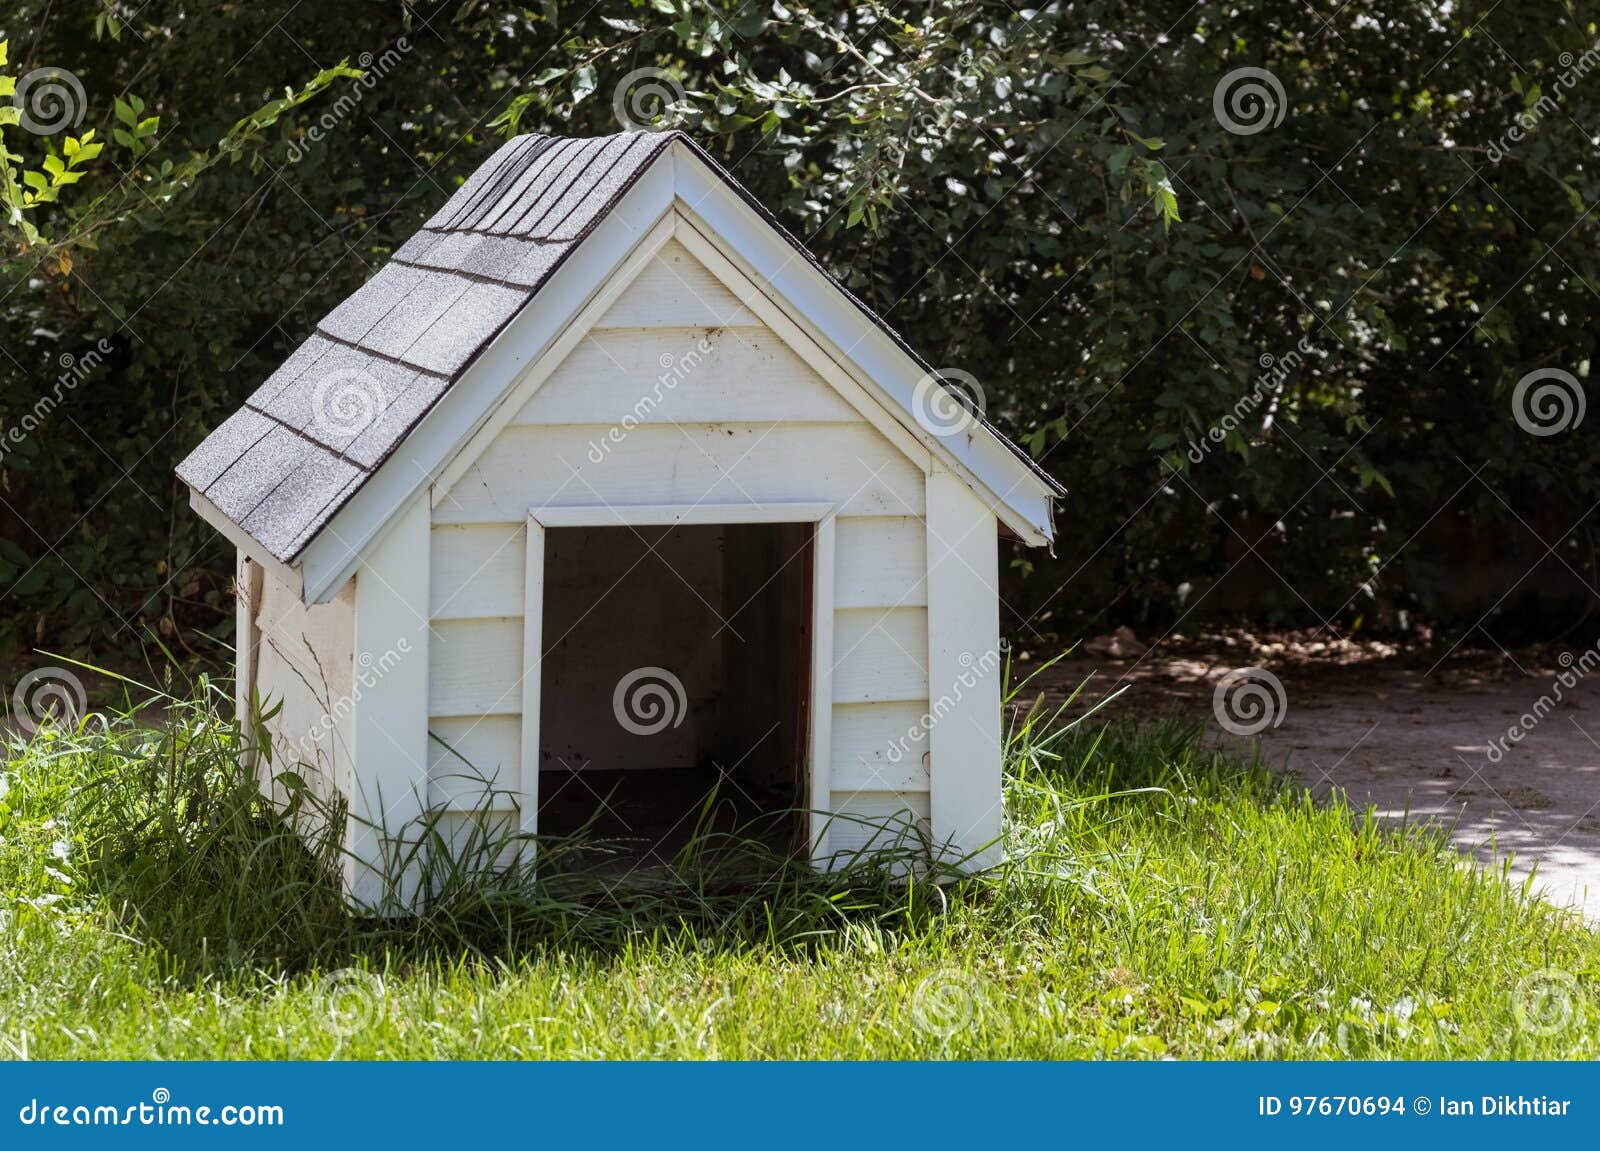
x=283, y=473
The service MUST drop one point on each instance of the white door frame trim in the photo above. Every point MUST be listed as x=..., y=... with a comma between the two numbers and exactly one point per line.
x=819, y=737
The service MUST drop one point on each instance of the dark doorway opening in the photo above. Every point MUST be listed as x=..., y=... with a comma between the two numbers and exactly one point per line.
x=676, y=670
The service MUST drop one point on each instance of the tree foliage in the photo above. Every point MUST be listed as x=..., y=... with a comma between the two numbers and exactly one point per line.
x=1268, y=326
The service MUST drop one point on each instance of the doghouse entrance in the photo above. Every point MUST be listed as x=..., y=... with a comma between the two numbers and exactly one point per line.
x=676, y=669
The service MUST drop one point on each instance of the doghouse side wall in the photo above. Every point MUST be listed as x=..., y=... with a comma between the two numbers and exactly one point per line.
x=679, y=395
x=304, y=660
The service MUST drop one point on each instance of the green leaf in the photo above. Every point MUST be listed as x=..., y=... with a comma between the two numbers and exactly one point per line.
x=1369, y=475
x=583, y=83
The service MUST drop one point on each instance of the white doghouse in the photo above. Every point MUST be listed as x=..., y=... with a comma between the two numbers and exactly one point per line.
x=602, y=490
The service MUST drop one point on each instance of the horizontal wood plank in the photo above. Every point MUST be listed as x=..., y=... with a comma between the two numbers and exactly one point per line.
x=881, y=562
x=676, y=290
x=478, y=841
x=879, y=747
x=476, y=570
x=877, y=821
x=479, y=769
x=666, y=515
x=475, y=667
x=880, y=655
x=684, y=375
x=527, y=467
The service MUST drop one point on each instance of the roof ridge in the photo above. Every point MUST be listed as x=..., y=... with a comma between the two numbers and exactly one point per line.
x=525, y=146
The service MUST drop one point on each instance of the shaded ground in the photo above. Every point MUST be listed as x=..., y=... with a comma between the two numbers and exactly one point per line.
x=1404, y=732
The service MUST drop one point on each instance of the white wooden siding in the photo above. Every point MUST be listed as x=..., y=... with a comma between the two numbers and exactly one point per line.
x=305, y=660
x=476, y=667
x=390, y=790
x=877, y=820
x=679, y=396
x=882, y=562
x=683, y=375
x=476, y=571
x=964, y=670
x=880, y=655
x=477, y=839
x=474, y=763
x=684, y=464
x=676, y=290
x=880, y=747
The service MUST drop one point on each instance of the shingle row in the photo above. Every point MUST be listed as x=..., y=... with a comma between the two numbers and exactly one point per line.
x=309, y=436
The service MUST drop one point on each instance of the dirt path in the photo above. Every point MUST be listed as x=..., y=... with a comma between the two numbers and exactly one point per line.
x=1394, y=731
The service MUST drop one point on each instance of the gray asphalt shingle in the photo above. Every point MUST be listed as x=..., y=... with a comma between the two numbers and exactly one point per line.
x=261, y=468
x=465, y=326
x=279, y=519
x=315, y=429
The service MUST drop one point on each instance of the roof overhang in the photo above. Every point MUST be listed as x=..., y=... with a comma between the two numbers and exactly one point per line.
x=1019, y=493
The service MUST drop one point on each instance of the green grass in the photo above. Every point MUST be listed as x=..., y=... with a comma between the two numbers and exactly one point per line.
x=1162, y=899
